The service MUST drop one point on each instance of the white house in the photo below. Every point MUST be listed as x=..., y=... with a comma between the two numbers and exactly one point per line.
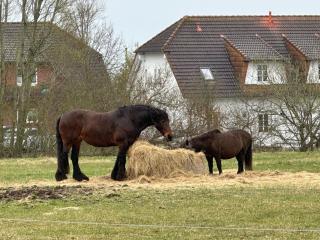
x=234, y=57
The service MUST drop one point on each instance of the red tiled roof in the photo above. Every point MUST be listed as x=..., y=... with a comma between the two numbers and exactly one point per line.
x=195, y=41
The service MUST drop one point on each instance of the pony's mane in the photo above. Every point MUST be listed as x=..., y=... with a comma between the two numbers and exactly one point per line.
x=209, y=134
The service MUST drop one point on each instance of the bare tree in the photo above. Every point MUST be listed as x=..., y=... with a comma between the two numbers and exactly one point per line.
x=285, y=112
x=295, y=106
x=34, y=39
x=83, y=20
x=4, y=13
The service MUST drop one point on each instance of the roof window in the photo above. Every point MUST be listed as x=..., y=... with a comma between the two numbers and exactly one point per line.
x=206, y=73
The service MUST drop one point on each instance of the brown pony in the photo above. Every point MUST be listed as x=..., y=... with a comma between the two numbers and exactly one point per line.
x=215, y=144
x=116, y=128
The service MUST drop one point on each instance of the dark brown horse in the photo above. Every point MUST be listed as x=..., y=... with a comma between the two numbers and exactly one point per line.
x=218, y=145
x=116, y=128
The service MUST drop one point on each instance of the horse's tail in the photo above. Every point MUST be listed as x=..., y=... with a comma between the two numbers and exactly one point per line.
x=63, y=164
x=248, y=158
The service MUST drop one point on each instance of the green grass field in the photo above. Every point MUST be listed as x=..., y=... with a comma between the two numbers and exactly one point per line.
x=33, y=206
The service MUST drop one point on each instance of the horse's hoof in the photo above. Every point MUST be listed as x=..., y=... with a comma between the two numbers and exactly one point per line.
x=119, y=178
x=80, y=177
x=239, y=172
x=113, y=175
x=60, y=176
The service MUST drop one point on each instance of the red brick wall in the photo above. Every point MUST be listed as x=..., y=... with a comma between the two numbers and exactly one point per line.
x=44, y=74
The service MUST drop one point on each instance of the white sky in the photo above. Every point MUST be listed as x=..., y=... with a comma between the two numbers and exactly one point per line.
x=139, y=20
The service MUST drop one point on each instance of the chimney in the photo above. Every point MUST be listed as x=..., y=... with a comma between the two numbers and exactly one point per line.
x=270, y=18
x=198, y=27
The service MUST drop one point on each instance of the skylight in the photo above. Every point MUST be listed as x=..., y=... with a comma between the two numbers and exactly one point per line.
x=206, y=73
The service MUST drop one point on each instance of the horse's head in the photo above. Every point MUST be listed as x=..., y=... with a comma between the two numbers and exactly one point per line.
x=161, y=122
x=191, y=144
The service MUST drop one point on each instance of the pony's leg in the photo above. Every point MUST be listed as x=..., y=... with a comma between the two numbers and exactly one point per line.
x=77, y=174
x=210, y=163
x=119, y=169
x=63, y=163
x=218, y=162
x=240, y=158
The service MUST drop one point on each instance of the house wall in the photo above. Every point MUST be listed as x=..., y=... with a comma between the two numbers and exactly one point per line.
x=243, y=113
x=44, y=74
x=313, y=73
x=152, y=62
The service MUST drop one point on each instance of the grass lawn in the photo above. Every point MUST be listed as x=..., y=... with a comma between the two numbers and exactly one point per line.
x=146, y=211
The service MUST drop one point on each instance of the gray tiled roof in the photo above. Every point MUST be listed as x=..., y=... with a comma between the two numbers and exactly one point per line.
x=308, y=44
x=54, y=37
x=253, y=47
x=188, y=49
x=56, y=42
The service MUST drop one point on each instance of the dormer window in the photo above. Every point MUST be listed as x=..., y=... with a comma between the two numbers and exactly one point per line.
x=262, y=73
x=206, y=74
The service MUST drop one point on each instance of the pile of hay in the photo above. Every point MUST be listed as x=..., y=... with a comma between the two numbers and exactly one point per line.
x=152, y=161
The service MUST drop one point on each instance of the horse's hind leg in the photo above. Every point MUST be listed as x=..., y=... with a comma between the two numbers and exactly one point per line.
x=77, y=174
x=240, y=158
x=63, y=163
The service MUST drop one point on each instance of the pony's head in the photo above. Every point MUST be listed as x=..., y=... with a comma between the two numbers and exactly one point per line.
x=191, y=144
x=160, y=120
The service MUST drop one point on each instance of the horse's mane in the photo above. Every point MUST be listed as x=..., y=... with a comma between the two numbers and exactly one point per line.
x=140, y=107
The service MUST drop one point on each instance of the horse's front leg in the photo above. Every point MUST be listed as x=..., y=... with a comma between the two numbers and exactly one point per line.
x=210, y=163
x=119, y=169
x=218, y=161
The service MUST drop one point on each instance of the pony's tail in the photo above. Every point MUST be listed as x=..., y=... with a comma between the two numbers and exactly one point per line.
x=248, y=158
x=63, y=164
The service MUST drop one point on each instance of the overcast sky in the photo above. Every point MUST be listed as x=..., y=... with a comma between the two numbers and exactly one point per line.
x=139, y=20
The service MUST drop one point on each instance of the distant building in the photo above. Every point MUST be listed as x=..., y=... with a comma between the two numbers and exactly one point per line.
x=59, y=59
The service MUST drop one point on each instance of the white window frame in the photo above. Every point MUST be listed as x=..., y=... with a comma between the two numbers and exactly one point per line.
x=19, y=79
x=35, y=77
x=206, y=73
x=262, y=73
x=263, y=122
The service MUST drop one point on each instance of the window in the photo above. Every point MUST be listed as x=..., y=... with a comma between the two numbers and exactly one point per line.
x=206, y=73
x=263, y=122
x=19, y=80
x=262, y=73
x=34, y=80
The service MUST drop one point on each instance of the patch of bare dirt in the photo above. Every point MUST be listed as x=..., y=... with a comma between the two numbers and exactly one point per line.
x=42, y=192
